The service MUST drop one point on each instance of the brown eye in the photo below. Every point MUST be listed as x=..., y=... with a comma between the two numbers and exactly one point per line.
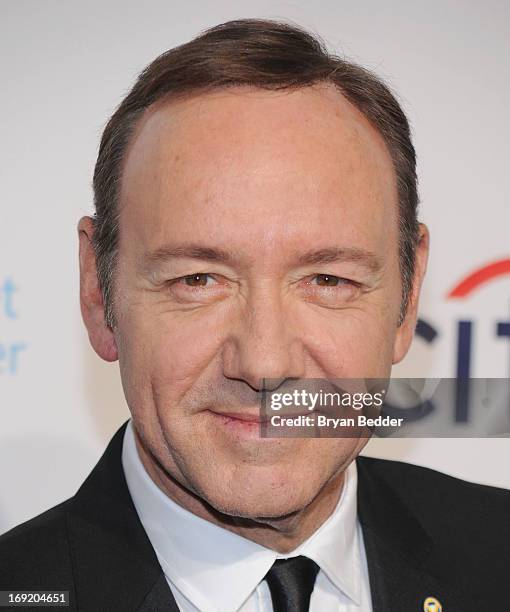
x=196, y=280
x=328, y=280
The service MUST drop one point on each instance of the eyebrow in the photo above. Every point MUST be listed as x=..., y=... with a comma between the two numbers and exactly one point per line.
x=190, y=251
x=346, y=254
x=315, y=257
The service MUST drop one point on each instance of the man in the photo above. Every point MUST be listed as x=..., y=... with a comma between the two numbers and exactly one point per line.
x=255, y=220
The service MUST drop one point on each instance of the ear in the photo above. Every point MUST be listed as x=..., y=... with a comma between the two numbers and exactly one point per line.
x=405, y=332
x=91, y=299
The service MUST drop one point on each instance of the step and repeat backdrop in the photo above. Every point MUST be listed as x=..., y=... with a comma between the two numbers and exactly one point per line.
x=66, y=66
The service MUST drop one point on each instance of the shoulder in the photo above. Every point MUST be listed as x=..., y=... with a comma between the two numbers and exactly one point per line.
x=458, y=529
x=448, y=507
x=36, y=552
x=418, y=483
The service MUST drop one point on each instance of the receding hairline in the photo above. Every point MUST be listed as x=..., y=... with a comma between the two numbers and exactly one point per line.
x=173, y=101
x=267, y=54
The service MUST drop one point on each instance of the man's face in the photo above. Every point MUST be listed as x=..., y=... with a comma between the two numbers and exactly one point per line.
x=258, y=239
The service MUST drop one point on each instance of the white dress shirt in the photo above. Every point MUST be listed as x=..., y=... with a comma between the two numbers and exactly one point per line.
x=211, y=569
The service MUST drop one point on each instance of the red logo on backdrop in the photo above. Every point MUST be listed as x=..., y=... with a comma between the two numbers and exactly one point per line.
x=480, y=277
x=462, y=290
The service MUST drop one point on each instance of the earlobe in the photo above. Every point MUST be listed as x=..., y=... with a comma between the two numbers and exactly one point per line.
x=91, y=298
x=403, y=339
x=405, y=332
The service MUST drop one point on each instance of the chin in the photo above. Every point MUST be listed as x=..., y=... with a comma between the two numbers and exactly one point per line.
x=259, y=509
x=261, y=499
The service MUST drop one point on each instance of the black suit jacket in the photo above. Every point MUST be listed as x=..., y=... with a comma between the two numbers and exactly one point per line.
x=426, y=534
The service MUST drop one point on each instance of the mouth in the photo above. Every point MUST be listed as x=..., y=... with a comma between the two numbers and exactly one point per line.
x=242, y=425
x=250, y=425
x=242, y=417
x=253, y=426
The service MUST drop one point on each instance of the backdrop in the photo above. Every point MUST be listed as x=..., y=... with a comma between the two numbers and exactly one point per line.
x=65, y=67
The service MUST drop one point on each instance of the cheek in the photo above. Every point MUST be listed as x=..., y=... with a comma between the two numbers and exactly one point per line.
x=166, y=352
x=355, y=343
x=182, y=350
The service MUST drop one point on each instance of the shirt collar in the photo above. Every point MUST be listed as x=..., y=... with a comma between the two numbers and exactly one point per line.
x=199, y=557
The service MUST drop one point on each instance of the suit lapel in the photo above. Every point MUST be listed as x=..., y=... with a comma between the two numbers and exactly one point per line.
x=116, y=568
x=397, y=548
x=159, y=598
x=114, y=564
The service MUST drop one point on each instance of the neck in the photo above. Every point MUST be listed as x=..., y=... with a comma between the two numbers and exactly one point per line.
x=282, y=534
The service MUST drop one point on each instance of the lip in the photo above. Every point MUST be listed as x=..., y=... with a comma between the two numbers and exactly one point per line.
x=248, y=418
x=244, y=425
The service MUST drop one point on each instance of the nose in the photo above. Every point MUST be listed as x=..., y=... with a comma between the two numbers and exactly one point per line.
x=264, y=347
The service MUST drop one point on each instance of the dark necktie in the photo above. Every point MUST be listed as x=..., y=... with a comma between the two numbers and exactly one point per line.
x=291, y=583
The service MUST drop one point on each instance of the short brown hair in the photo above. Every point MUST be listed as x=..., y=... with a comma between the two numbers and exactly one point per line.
x=259, y=53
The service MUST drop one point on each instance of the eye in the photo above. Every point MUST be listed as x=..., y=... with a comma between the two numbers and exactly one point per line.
x=331, y=291
x=198, y=287
x=329, y=280
x=196, y=280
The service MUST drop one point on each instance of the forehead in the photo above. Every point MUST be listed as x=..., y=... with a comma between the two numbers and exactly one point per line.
x=250, y=152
